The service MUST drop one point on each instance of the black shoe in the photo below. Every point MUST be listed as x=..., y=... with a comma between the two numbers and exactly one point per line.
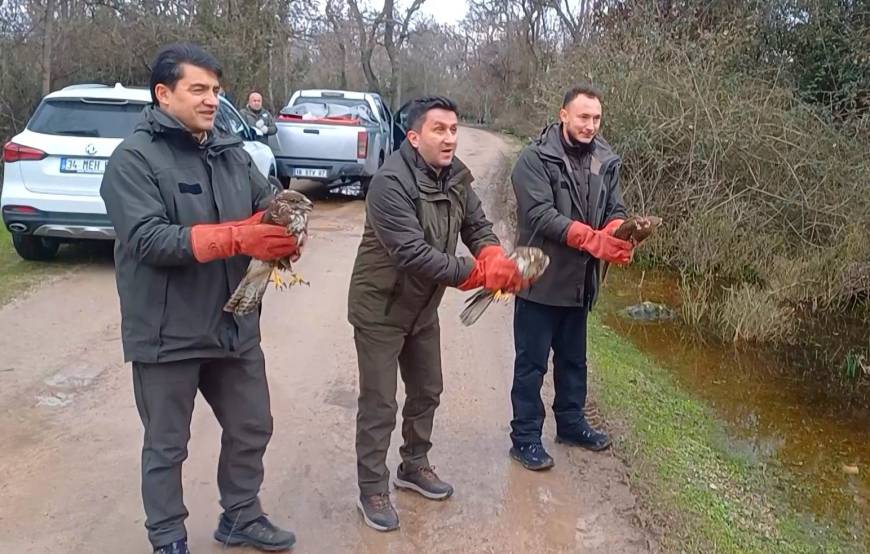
x=378, y=511
x=532, y=456
x=178, y=547
x=424, y=481
x=584, y=436
x=260, y=533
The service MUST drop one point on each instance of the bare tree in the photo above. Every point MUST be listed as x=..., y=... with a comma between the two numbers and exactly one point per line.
x=367, y=33
x=394, y=42
x=335, y=19
x=47, y=37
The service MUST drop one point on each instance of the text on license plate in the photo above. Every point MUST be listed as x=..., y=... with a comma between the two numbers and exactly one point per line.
x=82, y=165
x=309, y=172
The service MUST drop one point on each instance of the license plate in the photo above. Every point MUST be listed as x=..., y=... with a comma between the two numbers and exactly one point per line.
x=82, y=165
x=309, y=172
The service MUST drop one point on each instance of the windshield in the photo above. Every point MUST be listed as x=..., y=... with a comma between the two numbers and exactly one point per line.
x=86, y=118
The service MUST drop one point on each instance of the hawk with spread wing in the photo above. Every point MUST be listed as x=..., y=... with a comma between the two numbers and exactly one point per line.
x=531, y=261
x=289, y=209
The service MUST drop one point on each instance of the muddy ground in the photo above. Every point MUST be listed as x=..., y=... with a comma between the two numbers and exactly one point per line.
x=70, y=434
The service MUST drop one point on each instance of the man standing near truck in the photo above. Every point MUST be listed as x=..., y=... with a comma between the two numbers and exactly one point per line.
x=419, y=204
x=569, y=203
x=186, y=206
x=259, y=117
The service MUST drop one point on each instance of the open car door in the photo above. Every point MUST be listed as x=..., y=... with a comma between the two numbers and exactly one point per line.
x=400, y=125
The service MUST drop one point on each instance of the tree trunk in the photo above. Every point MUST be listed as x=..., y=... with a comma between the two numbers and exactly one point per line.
x=46, y=46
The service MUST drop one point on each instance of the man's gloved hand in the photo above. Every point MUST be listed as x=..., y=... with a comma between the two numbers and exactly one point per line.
x=600, y=244
x=249, y=237
x=611, y=227
x=260, y=124
x=491, y=250
x=495, y=272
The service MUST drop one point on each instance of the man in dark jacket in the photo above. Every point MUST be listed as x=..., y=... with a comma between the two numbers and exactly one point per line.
x=568, y=203
x=181, y=199
x=259, y=117
x=419, y=204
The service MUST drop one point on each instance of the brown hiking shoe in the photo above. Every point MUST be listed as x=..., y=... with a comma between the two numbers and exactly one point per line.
x=424, y=481
x=378, y=511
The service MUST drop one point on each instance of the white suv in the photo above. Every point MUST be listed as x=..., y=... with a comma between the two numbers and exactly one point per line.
x=53, y=169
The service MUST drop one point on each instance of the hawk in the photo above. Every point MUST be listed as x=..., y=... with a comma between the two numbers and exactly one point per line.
x=531, y=261
x=635, y=230
x=289, y=209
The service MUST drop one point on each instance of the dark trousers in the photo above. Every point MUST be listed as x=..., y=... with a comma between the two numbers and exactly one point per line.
x=237, y=392
x=418, y=357
x=538, y=328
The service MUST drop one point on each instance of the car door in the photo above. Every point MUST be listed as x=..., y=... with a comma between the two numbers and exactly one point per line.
x=400, y=124
x=230, y=121
x=387, y=119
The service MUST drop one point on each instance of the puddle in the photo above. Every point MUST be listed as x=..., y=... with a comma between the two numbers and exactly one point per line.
x=779, y=407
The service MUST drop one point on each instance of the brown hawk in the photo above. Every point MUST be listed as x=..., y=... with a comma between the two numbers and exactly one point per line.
x=635, y=230
x=289, y=209
x=531, y=261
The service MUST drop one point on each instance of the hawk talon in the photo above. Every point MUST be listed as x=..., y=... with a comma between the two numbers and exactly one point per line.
x=297, y=279
x=275, y=278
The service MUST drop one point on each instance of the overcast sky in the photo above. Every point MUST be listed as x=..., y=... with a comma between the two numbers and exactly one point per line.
x=445, y=11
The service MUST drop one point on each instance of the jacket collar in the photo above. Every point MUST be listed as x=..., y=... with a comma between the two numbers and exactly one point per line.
x=551, y=145
x=156, y=122
x=454, y=174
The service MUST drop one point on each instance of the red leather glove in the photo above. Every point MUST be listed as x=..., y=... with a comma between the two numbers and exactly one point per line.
x=249, y=237
x=600, y=244
x=611, y=227
x=494, y=273
x=490, y=251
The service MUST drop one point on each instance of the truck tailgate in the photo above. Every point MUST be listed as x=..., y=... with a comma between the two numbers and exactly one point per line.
x=318, y=141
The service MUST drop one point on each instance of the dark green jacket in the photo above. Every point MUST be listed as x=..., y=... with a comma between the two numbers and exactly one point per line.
x=158, y=183
x=406, y=258
x=550, y=195
x=251, y=117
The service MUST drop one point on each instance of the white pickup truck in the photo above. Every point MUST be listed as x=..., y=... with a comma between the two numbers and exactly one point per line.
x=335, y=137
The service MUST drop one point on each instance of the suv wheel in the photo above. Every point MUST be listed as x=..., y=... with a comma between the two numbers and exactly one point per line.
x=364, y=186
x=34, y=248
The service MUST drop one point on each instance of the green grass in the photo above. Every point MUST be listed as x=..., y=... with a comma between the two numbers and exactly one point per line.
x=702, y=495
x=17, y=275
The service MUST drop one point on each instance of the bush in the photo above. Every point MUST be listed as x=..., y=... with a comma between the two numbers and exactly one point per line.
x=758, y=193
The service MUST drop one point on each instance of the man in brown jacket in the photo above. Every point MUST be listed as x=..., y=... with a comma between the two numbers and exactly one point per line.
x=419, y=204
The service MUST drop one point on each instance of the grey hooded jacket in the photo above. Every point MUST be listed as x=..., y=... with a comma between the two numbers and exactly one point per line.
x=159, y=183
x=551, y=194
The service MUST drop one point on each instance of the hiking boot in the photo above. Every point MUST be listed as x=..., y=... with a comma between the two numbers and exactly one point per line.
x=178, y=547
x=585, y=436
x=378, y=511
x=424, y=481
x=532, y=456
x=261, y=533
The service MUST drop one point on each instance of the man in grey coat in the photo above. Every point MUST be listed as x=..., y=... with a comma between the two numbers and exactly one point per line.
x=419, y=205
x=186, y=206
x=568, y=203
x=259, y=117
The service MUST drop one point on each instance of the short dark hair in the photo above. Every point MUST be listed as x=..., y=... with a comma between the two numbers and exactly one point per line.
x=420, y=107
x=587, y=89
x=166, y=69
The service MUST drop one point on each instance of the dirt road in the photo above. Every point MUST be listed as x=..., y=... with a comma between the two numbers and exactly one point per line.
x=70, y=435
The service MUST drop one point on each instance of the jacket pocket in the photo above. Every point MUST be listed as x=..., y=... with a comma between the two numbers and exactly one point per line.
x=395, y=292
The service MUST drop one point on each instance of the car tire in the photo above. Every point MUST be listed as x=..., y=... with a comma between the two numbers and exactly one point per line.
x=364, y=186
x=34, y=248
